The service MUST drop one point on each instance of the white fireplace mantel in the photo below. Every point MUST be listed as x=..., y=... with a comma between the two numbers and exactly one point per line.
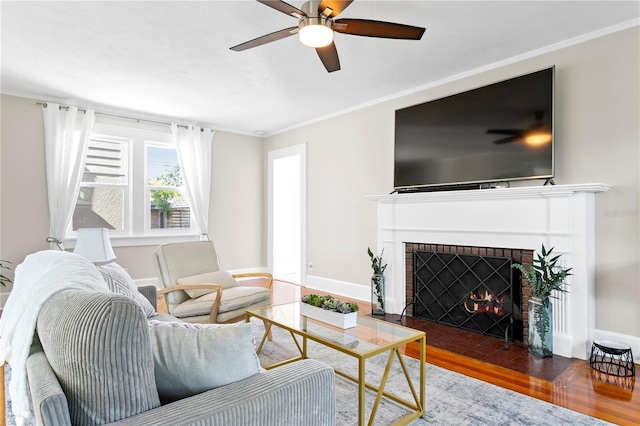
x=559, y=216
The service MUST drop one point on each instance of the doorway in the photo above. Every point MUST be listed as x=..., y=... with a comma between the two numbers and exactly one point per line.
x=287, y=214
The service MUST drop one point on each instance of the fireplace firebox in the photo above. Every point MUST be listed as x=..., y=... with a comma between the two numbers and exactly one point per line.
x=469, y=292
x=472, y=288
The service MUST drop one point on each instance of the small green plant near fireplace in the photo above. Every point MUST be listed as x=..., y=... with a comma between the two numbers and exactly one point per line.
x=544, y=276
x=377, y=283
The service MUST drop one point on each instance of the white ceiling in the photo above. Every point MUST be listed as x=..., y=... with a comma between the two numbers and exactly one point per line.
x=171, y=59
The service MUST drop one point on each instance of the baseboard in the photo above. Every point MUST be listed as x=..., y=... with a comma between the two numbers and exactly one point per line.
x=249, y=270
x=338, y=288
x=564, y=346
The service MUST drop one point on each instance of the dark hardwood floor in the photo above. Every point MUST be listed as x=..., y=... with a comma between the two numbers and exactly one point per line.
x=569, y=383
x=486, y=348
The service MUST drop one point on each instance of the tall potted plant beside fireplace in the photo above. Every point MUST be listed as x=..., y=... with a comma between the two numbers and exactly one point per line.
x=545, y=276
x=377, y=283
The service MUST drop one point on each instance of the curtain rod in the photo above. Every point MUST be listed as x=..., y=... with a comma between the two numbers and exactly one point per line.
x=138, y=120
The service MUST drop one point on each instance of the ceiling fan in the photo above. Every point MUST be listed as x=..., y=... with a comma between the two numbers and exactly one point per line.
x=537, y=133
x=317, y=23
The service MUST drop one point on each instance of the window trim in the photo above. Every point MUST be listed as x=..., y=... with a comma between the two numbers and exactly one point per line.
x=138, y=240
x=136, y=140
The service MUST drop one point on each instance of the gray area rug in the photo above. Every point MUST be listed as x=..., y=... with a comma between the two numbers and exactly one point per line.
x=10, y=420
x=451, y=398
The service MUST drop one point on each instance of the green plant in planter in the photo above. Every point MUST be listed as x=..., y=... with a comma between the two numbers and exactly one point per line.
x=376, y=262
x=4, y=280
x=378, y=272
x=330, y=303
x=544, y=276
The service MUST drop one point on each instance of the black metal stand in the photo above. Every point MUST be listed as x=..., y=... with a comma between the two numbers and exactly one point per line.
x=404, y=311
x=613, y=358
x=506, y=333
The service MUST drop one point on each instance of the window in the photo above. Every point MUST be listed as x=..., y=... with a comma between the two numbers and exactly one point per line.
x=168, y=206
x=132, y=184
x=104, y=189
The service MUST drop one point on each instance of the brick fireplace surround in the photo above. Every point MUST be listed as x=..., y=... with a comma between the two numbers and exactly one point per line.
x=559, y=216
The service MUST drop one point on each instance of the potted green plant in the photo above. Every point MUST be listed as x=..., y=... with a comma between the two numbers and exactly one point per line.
x=545, y=275
x=4, y=280
x=330, y=310
x=377, y=283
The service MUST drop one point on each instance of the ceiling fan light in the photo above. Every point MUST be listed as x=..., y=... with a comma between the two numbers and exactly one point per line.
x=315, y=32
x=538, y=138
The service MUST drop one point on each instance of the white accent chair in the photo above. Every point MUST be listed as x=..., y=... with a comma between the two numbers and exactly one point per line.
x=197, y=290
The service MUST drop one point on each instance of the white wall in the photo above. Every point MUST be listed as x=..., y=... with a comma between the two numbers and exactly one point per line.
x=597, y=133
x=236, y=194
x=25, y=221
x=236, y=211
x=346, y=160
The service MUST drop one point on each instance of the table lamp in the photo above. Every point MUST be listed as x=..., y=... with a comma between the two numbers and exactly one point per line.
x=94, y=244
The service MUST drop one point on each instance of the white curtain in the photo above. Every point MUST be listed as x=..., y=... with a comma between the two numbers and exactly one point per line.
x=66, y=137
x=194, y=153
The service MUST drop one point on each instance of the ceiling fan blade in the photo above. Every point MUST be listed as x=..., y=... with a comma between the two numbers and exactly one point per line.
x=278, y=35
x=507, y=140
x=283, y=7
x=337, y=6
x=370, y=28
x=515, y=132
x=329, y=57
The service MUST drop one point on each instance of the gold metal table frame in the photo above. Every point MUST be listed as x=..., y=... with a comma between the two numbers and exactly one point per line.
x=379, y=337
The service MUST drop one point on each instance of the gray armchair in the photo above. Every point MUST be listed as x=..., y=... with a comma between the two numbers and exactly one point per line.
x=196, y=289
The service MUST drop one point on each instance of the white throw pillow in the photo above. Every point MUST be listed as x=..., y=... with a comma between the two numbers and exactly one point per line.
x=222, y=278
x=192, y=358
x=120, y=282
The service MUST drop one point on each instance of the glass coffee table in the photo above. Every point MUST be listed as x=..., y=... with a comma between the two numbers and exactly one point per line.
x=368, y=338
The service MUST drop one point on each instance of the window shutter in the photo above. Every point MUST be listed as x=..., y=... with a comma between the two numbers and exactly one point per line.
x=105, y=163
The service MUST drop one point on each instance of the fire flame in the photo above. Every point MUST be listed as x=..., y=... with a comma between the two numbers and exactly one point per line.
x=487, y=302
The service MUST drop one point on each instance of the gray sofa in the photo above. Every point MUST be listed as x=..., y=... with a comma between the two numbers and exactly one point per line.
x=93, y=365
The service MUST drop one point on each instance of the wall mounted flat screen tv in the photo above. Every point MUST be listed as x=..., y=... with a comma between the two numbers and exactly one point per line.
x=496, y=133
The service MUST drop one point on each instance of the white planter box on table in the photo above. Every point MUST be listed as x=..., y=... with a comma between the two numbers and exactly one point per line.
x=334, y=318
